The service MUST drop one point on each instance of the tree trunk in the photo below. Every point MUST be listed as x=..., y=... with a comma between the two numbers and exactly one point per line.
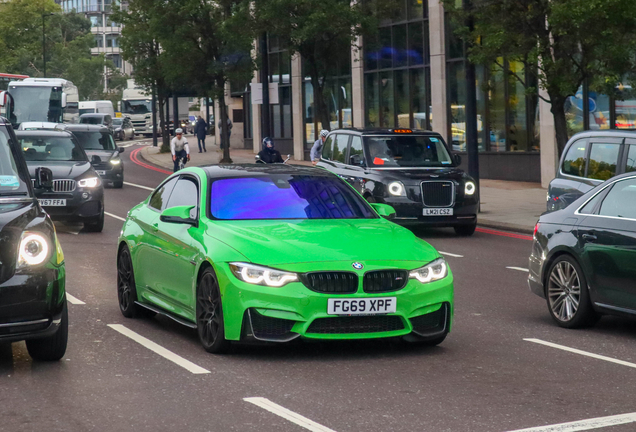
x=225, y=132
x=165, y=144
x=320, y=106
x=560, y=123
x=165, y=131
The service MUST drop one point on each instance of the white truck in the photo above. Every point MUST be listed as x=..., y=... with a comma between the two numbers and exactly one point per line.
x=98, y=106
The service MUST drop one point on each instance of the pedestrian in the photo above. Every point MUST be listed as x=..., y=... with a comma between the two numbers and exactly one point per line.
x=229, y=130
x=316, y=150
x=179, y=149
x=201, y=130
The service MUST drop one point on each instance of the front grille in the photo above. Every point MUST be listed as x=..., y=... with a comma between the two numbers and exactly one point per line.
x=431, y=323
x=270, y=329
x=384, y=281
x=356, y=324
x=331, y=282
x=139, y=123
x=63, y=185
x=438, y=193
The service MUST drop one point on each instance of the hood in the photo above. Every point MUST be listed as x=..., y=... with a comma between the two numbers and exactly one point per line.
x=61, y=169
x=299, y=241
x=104, y=155
x=406, y=174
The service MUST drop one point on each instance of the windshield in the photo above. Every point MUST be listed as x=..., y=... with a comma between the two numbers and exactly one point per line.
x=118, y=122
x=86, y=111
x=37, y=104
x=91, y=120
x=406, y=151
x=140, y=106
x=11, y=183
x=95, y=140
x=284, y=196
x=47, y=148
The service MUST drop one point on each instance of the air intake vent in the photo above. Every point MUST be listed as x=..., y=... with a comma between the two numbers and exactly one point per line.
x=331, y=282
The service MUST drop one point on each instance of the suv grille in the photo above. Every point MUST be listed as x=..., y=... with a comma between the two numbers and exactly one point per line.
x=438, y=193
x=63, y=185
x=356, y=324
x=331, y=282
x=384, y=280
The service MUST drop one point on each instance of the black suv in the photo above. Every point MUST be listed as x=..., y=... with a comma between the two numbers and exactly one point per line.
x=413, y=171
x=77, y=194
x=32, y=272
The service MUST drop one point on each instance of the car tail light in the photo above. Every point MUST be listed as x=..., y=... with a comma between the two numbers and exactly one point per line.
x=536, y=228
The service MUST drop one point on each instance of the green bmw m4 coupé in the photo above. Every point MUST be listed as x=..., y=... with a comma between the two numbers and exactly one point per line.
x=275, y=252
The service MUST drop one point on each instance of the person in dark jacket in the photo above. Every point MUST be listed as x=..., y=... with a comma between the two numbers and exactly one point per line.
x=201, y=130
x=269, y=154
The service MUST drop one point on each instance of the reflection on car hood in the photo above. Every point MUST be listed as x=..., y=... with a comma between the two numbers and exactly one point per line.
x=421, y=174
x=295, y=241
x=61, y=170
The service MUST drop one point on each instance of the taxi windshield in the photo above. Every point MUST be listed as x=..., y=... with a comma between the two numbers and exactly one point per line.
x=11, y=182
x=51, y=148
x=406, y=151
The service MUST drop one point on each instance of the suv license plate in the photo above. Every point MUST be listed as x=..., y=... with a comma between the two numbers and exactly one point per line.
x=438, y=212
x=101, y=173
x=362, y=306
x=52, y=202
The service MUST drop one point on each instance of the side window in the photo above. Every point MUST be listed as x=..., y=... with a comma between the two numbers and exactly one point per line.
x=621, y=200
x=340, y=147
x=327, y=148
x=159, y=199
x=631, y=159
x=603, y=161
x=355, y=151
x=185, y=193
x=574, y=162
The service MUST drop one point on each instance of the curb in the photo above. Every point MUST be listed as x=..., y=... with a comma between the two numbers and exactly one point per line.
x=148, y=159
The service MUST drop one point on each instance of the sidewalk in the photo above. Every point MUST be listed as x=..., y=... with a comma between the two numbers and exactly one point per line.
x=512, y=206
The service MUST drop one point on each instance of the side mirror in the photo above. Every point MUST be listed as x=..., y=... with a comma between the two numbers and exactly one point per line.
x=63, y=100
x=3, y=98
x=120, y=149
x=178, y=215
x=384, y=210
x=458, y=159
x=43, y=178
x=96, y=160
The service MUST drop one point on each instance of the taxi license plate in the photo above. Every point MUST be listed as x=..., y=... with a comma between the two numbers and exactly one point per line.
x=101, y=173
x=52, y=202
x=438, y=212
x=362, y=306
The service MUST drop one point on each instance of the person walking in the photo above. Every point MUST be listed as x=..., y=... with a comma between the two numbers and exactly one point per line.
x=201, y=130
x=316, y=150
x=229, y=130
x=179, y=149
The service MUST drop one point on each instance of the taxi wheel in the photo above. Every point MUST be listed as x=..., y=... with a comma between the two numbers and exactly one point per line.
x=51, y=348
x=96, y=224
x=209, y=312
x=465, y=230
x=126, y=291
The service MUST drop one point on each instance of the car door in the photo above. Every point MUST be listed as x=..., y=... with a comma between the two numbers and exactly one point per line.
x=608, y=239
x=355, y=163
x=336, y=163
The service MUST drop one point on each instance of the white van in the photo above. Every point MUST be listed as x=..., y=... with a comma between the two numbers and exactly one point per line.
x=97, y=107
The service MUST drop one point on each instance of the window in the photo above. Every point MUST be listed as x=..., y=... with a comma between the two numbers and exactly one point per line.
x=603, y=160
x=406, y=151
x=95, y=140
x=185, y=193
x=621, y=200
x=340, y=147
x=356, y=150
x=631, y=159
x=574, y=162
x=47, y=148
x=327, y=149
x=160, y=197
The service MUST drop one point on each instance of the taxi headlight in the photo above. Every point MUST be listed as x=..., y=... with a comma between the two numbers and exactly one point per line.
x=258, y=275
x=433, y=271
x=34, y=249
x=396, y=188
x=470, y=188
x=89, y=182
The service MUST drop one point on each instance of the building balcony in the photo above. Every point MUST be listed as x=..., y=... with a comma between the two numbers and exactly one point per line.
x=105, y=30
x=105, y=50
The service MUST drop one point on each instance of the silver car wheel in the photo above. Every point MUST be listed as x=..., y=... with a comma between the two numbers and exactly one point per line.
x=564, y=291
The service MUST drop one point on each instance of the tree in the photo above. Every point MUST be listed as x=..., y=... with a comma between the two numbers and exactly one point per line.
x=562, y=44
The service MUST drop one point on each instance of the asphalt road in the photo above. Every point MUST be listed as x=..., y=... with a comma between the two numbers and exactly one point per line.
x=485, y=377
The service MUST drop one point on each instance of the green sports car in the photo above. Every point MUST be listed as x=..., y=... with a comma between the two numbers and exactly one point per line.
x=273, y=253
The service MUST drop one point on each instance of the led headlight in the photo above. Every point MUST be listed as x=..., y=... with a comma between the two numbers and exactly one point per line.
x=258, y=275
x=469, y=188
x=115, y=161
x=396, y=188
x=89, y=182
x=34, y=249
x=433, y=271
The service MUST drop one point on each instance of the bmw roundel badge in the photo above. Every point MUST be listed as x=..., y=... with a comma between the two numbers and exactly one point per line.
x=357, y=266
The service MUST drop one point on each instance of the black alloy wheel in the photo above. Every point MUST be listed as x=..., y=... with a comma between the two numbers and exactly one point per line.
x=126, y=291
x=118, y=184
x=51, y=348
x=209, y=312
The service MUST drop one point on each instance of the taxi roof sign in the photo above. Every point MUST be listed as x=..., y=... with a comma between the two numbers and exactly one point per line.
x=402, y=131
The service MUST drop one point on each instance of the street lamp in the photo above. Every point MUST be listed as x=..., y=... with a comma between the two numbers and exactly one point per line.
x=44, y=15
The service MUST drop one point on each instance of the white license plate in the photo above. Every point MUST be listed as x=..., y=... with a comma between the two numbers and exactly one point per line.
x=101, y=173
x=52, y=202
x=358, y=306
x=438, y=212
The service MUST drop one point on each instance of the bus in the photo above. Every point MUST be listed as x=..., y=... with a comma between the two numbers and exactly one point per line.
x=5, y=79
x=53, y=100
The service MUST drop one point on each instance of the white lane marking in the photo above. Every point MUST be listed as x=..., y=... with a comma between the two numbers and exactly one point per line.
x=287, y=414
x=139, y=186
x=74, y=300
x=583, y=353
x=115, y=216
x=169, y=355
x=451, y=254
x=582, y=425
x=519, y=269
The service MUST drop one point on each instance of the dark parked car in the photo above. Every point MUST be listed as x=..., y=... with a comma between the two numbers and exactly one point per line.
x=77, y=193
x=583, y=259
x=413, y=171
x=123, y=128
x=100, y=147
x=32, y=272
x=588, y=160
x=98, y=119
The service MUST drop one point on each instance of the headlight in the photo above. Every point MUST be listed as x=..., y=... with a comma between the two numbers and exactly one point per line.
x=469, y=188
x=433, y=271
x=89, y=182
x=115, y=161
x=258, y=275
x=34, y=249
x=396, y=188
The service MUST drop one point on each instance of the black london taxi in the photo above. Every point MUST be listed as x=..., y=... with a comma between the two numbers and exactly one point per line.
x=32, y=272
x=413, y=171
x=77, y=194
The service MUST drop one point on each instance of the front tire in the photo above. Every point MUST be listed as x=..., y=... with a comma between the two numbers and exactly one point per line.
x=465, y=230
x=209, y=310
x=118, y=184
x=96, y=224
x=51, y=348
x=126, y=288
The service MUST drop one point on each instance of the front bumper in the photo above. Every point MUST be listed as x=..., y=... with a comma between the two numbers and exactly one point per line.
x=77, y=207
x=112, y=173
x=412, y=212
x=282, y=314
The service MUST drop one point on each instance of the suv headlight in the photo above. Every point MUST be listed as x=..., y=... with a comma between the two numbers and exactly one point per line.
x=89, y=182
x=115, y=161
x=258, y=275
x=433, y=271
x=396, y=188
x=34, y=249
x=469, y=188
